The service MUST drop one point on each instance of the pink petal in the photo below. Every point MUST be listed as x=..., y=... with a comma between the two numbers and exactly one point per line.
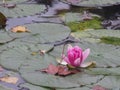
x=71, y=57
x=66, y=60
x=77, y=62
x=85, y=54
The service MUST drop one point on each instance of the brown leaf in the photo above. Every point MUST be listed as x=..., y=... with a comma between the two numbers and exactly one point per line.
x=9, y=79
x=51, y=69
x=59, y=70
x=19, y=29
x=62, y=70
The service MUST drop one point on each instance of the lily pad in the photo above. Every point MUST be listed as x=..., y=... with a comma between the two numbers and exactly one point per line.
x=95, y=35
x=73, y=17
x=110, y=82
x=12, y=1
x=22, y=10
x=38, y=78
x=44, y=32
x=4, y=37
x=32, y=74
x=21, y=52
x=81, y=88
x=104, y=71
x=93, y=3
x=104, y=55
x=33, y=87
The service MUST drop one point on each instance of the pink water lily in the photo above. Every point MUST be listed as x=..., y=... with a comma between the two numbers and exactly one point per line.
x=76, y=56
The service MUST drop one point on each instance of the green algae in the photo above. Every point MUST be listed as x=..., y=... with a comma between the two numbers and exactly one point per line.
x=110, y=40
x=94, y=23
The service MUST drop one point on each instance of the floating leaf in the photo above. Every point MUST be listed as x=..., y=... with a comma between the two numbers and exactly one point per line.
x=5, y=37
x=9, y=79
x=12, y=1
x=59, y=70
x=51, y=69
x=92, y=3
x=104, y=71
x=96, y=35
x=104, y=55
x=110, y=82
x=28, y=86
x=22, y=10
x=79, y=88
x=39, y=33
x=63, y=71
x=21, y=52
x=19, y=29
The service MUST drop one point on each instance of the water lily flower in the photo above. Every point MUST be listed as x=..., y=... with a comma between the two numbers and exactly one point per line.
x=75, y=56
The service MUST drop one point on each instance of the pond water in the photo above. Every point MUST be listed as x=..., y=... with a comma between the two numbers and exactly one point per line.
x=54, y=13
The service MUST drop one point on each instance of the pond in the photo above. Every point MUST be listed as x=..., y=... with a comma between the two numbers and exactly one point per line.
x=35, y=33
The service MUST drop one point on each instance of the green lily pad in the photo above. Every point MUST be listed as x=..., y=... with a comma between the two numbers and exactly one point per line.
x=104, y=55
x=32, y=74
x=47, y=80
x=50, y=32
x=12, y=1
x=110, y=82
x=4, y=37
x=81, y=88
x=30, y=71
x=43, y=32
x=20, y=52
x=73, y=17
x=104, y=71
x=19, y=43
x=93, y=3
x=57, y=51
x=95, y=35
x=33, y=87
x=22, y=10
